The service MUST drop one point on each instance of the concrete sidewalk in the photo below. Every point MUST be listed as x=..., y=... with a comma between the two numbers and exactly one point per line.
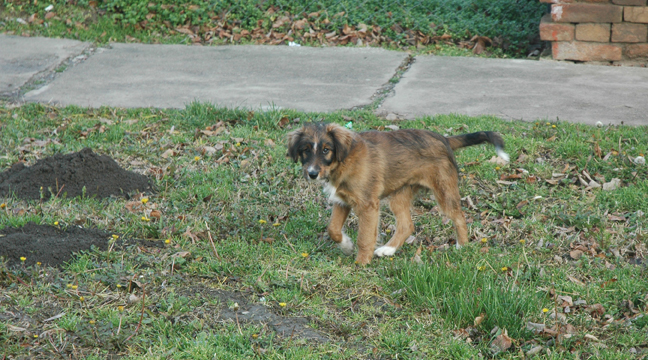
x=320, y=79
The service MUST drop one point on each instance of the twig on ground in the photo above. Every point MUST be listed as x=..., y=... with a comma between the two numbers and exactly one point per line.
x=291, y=246
x=211, y=240
x=141, y=316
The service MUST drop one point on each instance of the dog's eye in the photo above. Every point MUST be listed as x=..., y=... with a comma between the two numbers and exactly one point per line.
x=325, y=151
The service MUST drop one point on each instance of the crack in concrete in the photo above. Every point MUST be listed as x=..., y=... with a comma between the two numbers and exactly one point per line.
x=387, y=89
x=45, y=77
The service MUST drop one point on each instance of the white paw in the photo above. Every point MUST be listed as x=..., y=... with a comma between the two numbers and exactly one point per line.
x=385, y=251
x=457, y=245
x=346, y=245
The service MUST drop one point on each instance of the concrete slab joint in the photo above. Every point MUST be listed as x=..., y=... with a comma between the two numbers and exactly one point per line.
x=24, y=59
x=171, y=76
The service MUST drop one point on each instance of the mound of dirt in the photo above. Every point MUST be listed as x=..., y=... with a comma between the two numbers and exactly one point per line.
x=53, y=246
x=67, y=175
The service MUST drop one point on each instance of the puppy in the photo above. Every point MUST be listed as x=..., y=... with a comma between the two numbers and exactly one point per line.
x=359, y=169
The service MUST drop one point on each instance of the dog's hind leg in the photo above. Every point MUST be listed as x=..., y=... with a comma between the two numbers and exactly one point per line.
x=338, y=218
x=445, y=186
x=368, y=216
x=399, y=204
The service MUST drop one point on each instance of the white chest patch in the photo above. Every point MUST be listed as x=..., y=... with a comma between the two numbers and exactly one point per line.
x=333, y=198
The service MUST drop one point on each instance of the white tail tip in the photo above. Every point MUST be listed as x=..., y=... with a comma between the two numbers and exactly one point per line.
x=502, y=154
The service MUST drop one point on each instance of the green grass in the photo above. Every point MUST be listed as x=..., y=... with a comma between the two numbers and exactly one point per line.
x=393, y=308
x=513, y=25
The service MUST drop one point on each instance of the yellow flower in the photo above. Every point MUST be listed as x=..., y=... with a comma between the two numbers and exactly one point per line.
x=497, y=167
x=22, y=258
x=167, y=241
x=69, y=286
x=144, y=200
x=56, y=223
x=38, y=263
x=115, y=237
x=81, y=298
x=118, y=285
x=481, y=268
x=35, y=336
x=144, y=218
x=196, y=158
x=282, y=304
x=276, y=224
x=3, y=205
x=91, y=322
x=304, y=254
x=74, y=287
x=388, y=231
x=254, y=336
x=120, y=308
x=484, y=240
x=553, y=126
x=504, y=268
x=522, y=241
x=262, y=221
x=548, y=123
x=238, y=144
x=545, y=310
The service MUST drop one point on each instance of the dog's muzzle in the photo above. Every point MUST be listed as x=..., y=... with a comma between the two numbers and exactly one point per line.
x=312, y=173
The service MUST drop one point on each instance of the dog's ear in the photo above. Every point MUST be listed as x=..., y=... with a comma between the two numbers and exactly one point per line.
x=294, y=138
x=342, y=140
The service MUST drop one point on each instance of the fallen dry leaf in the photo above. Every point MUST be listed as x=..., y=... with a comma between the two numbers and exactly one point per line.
x=612, y=185
x=479, y=319
x=502, y=342
x=575, y=254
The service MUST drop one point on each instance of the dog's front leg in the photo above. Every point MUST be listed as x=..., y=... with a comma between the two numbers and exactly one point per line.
x=338, y=217
x=368, y=216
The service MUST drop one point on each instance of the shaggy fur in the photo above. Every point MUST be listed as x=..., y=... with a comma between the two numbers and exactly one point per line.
x=359, y=169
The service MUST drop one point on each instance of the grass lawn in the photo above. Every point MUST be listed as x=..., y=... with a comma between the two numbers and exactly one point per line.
x=539, y=240
x=449, y=27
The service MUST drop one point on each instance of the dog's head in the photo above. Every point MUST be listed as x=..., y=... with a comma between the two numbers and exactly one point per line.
x=320, y=148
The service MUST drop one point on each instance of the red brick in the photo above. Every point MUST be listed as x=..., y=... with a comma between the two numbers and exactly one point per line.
x=593, y=32
x=634, y=51
x=583, y=51
x=635, y=14
x=551, y=31
x=584, y=13
x=631, y=33
x=630, y=2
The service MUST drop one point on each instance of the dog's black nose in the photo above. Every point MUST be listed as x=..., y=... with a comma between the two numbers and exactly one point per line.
x=313, y=174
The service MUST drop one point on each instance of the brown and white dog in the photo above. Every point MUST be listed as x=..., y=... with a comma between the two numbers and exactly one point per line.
x=359, y=169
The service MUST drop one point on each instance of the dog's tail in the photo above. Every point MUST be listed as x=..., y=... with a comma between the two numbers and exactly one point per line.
x=459, y=141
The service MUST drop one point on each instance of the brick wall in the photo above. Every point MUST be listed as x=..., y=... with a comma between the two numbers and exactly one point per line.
x=613, y=31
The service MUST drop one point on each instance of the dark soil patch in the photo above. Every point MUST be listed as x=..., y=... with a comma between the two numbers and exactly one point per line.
x=285, y=326
x=67, y=175
x=53, y=246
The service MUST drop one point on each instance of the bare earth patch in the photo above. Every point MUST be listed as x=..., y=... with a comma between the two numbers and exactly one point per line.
x=68, y=175
x=50, y=245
